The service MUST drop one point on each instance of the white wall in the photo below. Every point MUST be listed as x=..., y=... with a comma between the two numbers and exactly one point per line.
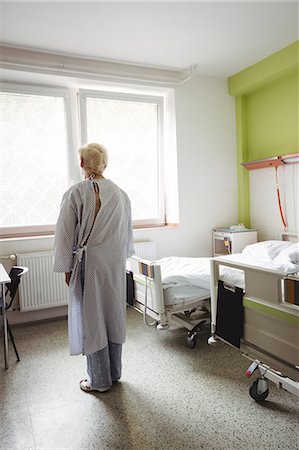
x=205, y=120
x=264, y=210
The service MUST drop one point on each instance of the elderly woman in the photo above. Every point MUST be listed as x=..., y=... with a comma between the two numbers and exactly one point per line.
x=93, y=238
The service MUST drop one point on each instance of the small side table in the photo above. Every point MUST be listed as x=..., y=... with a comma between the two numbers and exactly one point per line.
x=238, y=239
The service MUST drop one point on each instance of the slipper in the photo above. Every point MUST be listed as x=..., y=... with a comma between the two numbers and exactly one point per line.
x=86, y=387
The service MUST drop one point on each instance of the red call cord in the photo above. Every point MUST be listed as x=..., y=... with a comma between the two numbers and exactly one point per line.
x=279, y=200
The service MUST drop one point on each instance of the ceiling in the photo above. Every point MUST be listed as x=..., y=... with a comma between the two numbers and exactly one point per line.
x=219, y=38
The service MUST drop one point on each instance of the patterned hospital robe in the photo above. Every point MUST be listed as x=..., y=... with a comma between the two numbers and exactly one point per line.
x=97, y=313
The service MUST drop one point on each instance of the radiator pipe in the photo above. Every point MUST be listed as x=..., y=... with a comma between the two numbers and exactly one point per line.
x=12, y=257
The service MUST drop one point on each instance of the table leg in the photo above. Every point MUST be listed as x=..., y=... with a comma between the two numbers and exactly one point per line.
x=5, y=337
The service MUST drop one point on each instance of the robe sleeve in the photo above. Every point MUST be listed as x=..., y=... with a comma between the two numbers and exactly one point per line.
x=64, y=241
x=130, y=244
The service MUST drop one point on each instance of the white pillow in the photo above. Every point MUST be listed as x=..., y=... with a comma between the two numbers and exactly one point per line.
x=290, y=253
x=266, y=250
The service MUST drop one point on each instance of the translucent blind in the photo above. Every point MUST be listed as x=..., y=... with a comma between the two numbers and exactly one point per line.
x=34, y=172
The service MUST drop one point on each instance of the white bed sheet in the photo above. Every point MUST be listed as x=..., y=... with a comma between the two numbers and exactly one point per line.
x=180, y=271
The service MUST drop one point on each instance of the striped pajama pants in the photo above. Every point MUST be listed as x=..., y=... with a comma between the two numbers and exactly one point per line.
x=104, y=366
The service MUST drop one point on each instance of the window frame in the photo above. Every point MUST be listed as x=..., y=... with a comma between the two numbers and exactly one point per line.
x=50, y=91
x=83, y=94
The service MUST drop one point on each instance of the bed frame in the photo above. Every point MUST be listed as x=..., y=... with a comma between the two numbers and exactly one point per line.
x=270, y=324
x=149, y=300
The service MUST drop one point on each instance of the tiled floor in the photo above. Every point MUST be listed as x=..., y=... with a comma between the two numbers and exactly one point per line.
x=170, y=397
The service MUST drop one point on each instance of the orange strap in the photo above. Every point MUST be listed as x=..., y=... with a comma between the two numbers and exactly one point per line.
x=279, y=201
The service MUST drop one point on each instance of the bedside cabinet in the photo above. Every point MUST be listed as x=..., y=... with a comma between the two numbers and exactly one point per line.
x=227, y=240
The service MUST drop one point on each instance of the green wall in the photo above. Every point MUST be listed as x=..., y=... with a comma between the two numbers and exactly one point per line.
x=266, y=114
x=272, y=119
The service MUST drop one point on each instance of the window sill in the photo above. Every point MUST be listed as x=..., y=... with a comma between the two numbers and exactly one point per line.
x=51, y=235
x=156, y=227
x=26, y=237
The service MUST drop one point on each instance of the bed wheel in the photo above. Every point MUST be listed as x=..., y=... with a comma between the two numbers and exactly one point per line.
x=259, y=390
x=191, y=340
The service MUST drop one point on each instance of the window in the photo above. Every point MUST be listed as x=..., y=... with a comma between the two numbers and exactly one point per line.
x=40, y=134
x=34, y=158
x=130, y=128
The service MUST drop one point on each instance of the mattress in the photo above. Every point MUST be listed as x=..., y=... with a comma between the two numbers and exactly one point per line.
x=186, y=295
x=177, y=294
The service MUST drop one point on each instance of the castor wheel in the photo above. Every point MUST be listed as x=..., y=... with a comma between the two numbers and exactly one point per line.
x=259, y=390
x=191, y=340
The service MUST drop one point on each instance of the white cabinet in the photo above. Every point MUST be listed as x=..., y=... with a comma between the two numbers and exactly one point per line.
x=226, y=240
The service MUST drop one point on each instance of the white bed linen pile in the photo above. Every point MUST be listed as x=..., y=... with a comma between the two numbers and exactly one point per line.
x=182, y=271
x=276, y=255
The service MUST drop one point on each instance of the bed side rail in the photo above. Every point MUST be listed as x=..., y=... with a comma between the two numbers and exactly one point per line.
x=149, y=272
x=270, y=323
x=260, y=283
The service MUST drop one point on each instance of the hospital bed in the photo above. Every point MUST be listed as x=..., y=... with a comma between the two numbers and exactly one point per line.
x=258, y=313
x=172, y=298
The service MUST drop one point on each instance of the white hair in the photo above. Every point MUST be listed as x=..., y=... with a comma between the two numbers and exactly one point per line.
x=94, y=157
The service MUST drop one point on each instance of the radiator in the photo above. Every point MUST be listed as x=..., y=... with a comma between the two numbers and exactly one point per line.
x=146, y=250
x=40, y=288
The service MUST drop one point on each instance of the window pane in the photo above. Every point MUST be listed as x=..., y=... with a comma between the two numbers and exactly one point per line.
x=34, y=171
x=129, y=131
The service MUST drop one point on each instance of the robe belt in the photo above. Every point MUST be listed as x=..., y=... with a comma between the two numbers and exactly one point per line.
x=79, y=252
x=75, y=282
